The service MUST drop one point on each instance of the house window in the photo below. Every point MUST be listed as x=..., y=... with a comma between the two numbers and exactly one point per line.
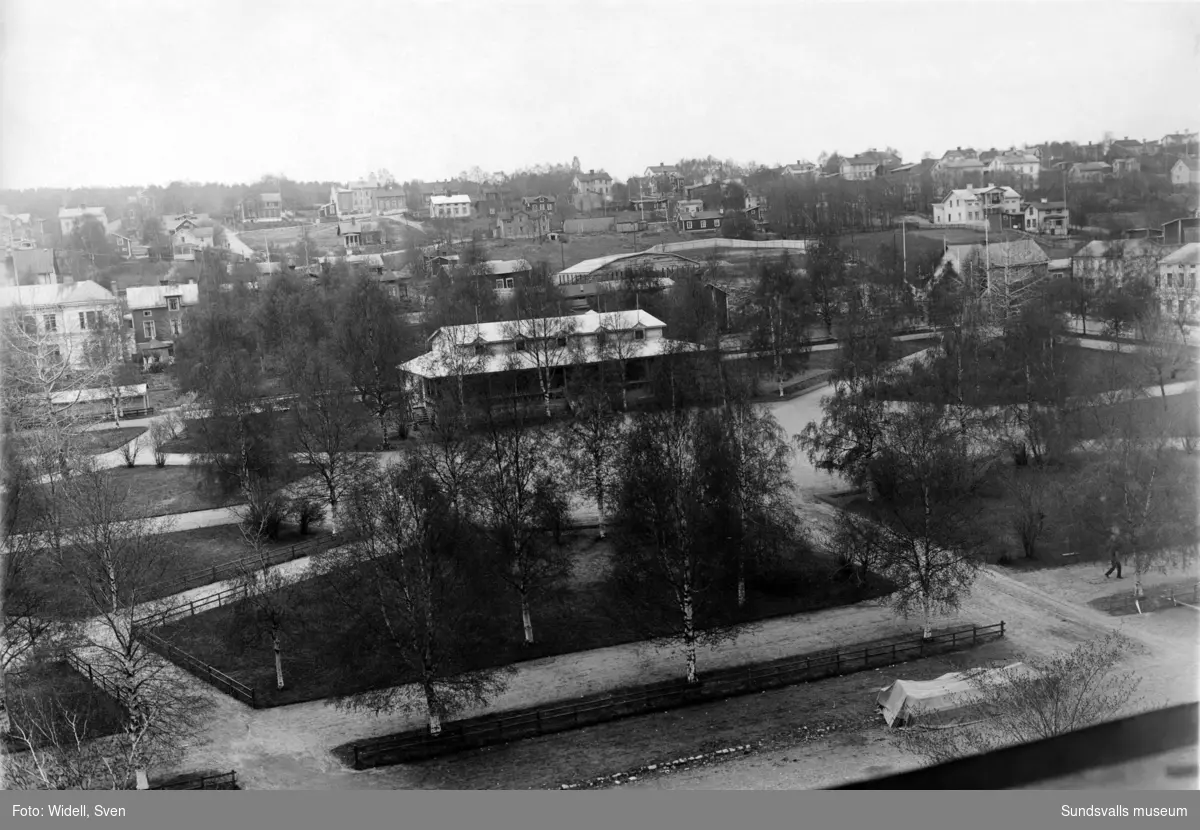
x=480, y=349
x=30, y=325
x=689, y=226
x=51, y=322
x=639, y=334
x=508, y=283
x=147, y=313
x=175, y=327
x=499, y=284
x=561, y=342
x=520, y=345
x=148, y=329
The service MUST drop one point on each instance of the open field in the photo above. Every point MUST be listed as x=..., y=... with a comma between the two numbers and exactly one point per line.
x=577, y=617
x=322, y=237
x=577, y=249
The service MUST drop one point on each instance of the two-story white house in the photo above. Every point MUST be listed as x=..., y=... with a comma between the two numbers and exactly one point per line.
x=450, y=207
x=69, y=217
x=1023, y=165
x=661, y=178
x=592, y=182
x=867, y=165
x=1047, y=217
x=972, y=205
x=800, y=170
x=60, y=318
x=538, y=355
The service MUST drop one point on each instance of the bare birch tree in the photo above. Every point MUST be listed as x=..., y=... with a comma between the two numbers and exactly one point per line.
x=1008, y=705
x=668, y=562
x=592, y=441
x=116, y=564
x=929, y=542
x=406, y=581
x=512, y=507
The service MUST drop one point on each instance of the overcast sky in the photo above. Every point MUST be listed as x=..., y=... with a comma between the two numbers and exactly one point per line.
x=122, y=92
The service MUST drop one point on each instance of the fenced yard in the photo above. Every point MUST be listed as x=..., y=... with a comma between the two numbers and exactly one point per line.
x=499, y=728
x=578, y=616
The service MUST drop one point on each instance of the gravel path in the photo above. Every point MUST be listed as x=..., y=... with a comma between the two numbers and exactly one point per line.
x=289, y=747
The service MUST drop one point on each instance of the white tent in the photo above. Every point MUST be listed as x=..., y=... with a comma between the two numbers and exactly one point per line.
x=904, y=699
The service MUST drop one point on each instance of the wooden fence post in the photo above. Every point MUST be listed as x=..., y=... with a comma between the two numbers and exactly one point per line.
x=1002, y=628
x=974, y=634
x=357, y=763
x=893, y=652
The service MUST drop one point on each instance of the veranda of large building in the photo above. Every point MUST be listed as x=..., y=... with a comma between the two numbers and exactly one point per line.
x=513, y=358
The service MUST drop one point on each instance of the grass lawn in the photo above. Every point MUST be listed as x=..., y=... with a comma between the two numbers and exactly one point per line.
x=99, y=441
x=578, y=248
x=578, y=617
x=1068, y=538
x=161, y=491
x=73, y=692
x=190, y=553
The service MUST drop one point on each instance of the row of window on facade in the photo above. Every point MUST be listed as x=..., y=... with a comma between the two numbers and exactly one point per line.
x=559, y=342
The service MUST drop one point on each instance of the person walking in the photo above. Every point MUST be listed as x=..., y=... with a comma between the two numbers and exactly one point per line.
x=1114, y=566
x=1115, y=560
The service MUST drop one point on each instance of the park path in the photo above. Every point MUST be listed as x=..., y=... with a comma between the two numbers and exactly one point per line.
x=288, y=747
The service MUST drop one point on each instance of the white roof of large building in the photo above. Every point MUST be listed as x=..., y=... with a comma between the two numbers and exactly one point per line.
x=71, y=396
x=1189, y=254
x=1127, y=247
x=38, y=296
x=448, y=358
x=591, y=266
x=155, y=296
x=450, y=200
x=79, y=212
x=503, y=331
x=508, y=266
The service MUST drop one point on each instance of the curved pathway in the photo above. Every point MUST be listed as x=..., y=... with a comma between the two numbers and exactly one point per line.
x=289, y=746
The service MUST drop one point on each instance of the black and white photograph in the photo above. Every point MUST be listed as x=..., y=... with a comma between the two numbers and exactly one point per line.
x=598, y=396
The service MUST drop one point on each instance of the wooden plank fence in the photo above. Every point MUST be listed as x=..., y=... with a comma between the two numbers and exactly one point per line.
x=236, y=567
x=214, y=677
x=220, y=781
x=94, y=676
x=486, y=730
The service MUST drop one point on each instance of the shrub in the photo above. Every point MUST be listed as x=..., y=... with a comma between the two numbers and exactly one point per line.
x=307, y=512
x=266, y=516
